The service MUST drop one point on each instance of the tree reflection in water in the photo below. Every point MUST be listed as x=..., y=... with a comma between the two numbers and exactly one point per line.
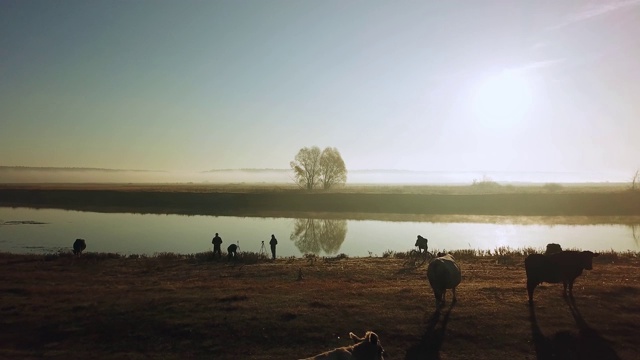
x=316, y=235
x=635, y=232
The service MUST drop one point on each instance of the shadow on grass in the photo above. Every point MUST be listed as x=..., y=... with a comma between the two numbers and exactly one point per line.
x=429, y=346
x=586, y=344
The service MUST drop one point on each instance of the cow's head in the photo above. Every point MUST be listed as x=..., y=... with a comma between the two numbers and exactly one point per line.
x=367, y=347
x=587, y=259
x=553, y=249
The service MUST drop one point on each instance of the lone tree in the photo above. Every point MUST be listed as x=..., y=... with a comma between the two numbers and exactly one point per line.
x=312, y=167
x=332, y=168
x=306, y=167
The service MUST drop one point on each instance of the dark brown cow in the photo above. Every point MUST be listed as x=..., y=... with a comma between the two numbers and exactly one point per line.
x=562, y=267
x=78, y=246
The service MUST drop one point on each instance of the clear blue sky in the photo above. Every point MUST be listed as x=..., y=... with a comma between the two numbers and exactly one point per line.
x=418, y=85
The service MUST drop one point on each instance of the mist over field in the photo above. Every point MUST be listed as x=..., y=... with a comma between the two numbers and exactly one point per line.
x=409, y=92
x=31, y=175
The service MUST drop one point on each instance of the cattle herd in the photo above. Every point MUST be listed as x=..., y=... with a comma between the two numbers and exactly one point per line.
x=554, y=266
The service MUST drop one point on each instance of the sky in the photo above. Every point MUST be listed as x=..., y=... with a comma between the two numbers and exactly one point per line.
x=495, y=86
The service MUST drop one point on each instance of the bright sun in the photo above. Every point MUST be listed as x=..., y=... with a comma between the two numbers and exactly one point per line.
x=503, y=98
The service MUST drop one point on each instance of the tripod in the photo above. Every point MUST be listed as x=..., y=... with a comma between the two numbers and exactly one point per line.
x=263, y=250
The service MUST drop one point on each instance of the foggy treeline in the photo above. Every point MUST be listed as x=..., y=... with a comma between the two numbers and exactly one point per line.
x=19, y=174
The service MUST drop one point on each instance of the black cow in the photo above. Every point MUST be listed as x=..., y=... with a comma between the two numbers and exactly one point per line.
x=562, y=267
x=78, y=246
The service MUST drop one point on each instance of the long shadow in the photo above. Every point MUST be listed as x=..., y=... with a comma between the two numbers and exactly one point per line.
x=545, y=349
x=591, y=345
x=429, y=346
x=586, y=344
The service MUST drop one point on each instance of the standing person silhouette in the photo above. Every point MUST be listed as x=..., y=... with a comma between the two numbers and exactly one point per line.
x=273, y=244
x=217, y=241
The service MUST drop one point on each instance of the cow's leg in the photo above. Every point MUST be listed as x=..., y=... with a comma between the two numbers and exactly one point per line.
x=564, y=291
x=531, y=285
x=438, y=297
x=454, y=295
x=571, y=288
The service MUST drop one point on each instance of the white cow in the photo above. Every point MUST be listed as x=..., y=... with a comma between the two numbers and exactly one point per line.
x=443, y=273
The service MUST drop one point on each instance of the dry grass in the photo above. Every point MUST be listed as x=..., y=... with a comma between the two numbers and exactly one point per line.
x=173, y=306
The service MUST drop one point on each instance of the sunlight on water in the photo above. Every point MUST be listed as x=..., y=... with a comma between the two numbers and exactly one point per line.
x=148, y=234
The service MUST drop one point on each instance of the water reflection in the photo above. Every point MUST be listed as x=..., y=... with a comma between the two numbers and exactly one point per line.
x=635, y=233
x=316, y=235
x=25, y=230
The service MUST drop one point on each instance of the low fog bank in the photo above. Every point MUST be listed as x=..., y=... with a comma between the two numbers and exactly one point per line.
x=470, y=177
x=78, y=175
x=35, y=175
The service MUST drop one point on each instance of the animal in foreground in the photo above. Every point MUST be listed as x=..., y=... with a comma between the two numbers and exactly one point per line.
x=553, y=248
x=421, y=243
x=443, y=273
x=562, y=267
x=78, y=246
x=365, y=348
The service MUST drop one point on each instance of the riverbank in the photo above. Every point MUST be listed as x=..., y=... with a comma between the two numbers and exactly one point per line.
x=105, y=306
x=367, y=202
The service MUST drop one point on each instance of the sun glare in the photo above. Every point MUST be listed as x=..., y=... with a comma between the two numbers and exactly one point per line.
x=502, y=98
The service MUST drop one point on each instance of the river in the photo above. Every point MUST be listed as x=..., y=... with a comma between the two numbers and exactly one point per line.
x=39, y=231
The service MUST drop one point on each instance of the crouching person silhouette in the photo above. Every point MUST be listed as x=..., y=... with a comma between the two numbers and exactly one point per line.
x=232, y=252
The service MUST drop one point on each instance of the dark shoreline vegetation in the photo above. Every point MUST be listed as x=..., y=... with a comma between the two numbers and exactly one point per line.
x=176, y=306
x=501, y=255
x=358, y=202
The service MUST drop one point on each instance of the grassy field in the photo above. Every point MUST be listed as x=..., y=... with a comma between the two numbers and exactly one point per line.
x=107, y=306
x=364, y=202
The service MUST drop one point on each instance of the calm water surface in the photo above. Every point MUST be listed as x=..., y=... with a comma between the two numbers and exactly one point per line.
x=24, y=230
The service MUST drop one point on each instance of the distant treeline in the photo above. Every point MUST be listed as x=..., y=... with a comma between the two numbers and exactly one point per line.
x=623, y=203
x=62, y=169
